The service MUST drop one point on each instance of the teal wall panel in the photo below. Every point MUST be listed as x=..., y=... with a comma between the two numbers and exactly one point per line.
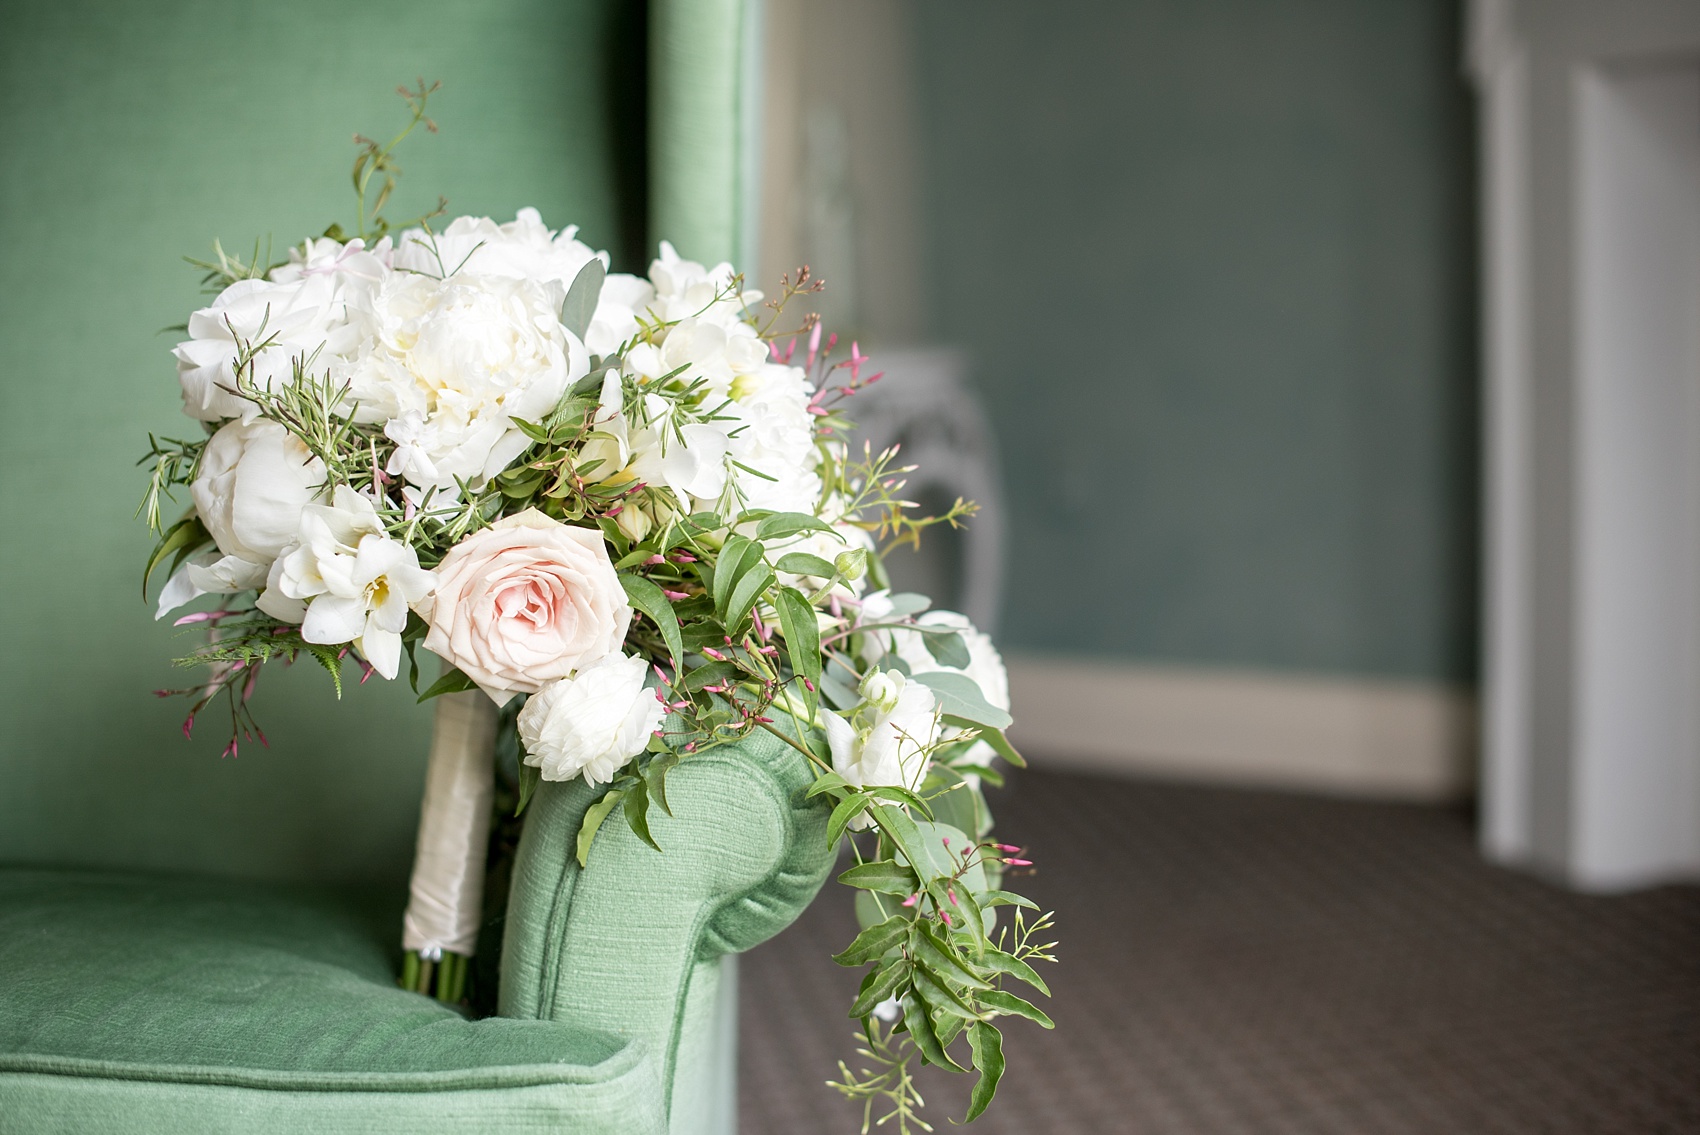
x=134, y=134
x=1212, y=262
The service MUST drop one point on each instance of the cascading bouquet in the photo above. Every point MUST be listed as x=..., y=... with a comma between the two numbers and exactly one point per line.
x=623, y=514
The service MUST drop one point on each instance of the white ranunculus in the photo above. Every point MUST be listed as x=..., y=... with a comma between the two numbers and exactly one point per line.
x=525, y=248
x=887, y=740
x=452, y=362
x=254, y=480
x=345, y=580
x=592, y=723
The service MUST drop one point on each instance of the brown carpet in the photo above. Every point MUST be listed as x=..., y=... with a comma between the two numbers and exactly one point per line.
x=1239, y=962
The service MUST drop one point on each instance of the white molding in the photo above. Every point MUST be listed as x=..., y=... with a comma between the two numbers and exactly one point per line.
x=1350, y=736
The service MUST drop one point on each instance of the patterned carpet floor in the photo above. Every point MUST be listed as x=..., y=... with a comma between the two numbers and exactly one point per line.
x=1241, y=962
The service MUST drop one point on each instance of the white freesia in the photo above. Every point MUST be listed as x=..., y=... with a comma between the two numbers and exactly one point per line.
x=592, y=723
x=888, y=739
x=452, y=362
x=345, y=580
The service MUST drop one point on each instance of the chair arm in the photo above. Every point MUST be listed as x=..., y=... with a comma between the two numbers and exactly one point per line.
x=614, y=946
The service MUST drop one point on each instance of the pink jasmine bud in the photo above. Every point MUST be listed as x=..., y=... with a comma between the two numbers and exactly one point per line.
x=945, y=917
x=952, y=894
x=912, y=899
x=814, y=345
x=808, y=685
x=1009, y=847
x=655, y=733
x=655, y=559
x=675, y=594
x=714, y=654
x=1019, y=862
x=947, y=841
x=615, y=511
x=188, y=724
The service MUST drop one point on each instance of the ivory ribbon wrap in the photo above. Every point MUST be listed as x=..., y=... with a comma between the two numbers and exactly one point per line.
x=447, y=896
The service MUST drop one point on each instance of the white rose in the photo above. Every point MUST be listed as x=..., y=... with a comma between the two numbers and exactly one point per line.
x=452, y=362
x=345, y=580
x=591, y=723
x=888, y=738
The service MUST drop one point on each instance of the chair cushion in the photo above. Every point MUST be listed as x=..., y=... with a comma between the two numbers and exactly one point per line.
x=135, y=1003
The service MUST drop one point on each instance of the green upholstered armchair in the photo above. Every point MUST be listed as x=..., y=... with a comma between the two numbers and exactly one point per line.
x=191, y=944
x=141, y=1003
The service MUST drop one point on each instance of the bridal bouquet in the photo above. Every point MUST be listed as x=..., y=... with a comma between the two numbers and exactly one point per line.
x=625, y=511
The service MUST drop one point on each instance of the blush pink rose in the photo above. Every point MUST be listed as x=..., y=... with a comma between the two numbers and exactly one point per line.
x=525, y=602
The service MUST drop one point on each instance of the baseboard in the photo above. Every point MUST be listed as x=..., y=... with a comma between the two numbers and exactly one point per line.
x=1351, y=736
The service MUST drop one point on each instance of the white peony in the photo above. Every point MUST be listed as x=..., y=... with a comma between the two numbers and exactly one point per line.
x=526, y=249
x=302, y=315
x=451, y=363
x=345, y=580
x=593, y=722
x=254, y=480
x=887, y=740
x=292, y=320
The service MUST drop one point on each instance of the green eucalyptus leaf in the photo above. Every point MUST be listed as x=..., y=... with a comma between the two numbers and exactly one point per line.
x=580, y=305
x=905, y=603
x=996, y=739
x=947, y=648
x=960, y=696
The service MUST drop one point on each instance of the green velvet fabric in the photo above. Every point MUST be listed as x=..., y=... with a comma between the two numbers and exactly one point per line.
x=139, y=1003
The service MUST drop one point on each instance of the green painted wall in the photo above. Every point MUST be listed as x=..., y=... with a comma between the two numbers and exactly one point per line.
x=134, y=134
x=1212, y=261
